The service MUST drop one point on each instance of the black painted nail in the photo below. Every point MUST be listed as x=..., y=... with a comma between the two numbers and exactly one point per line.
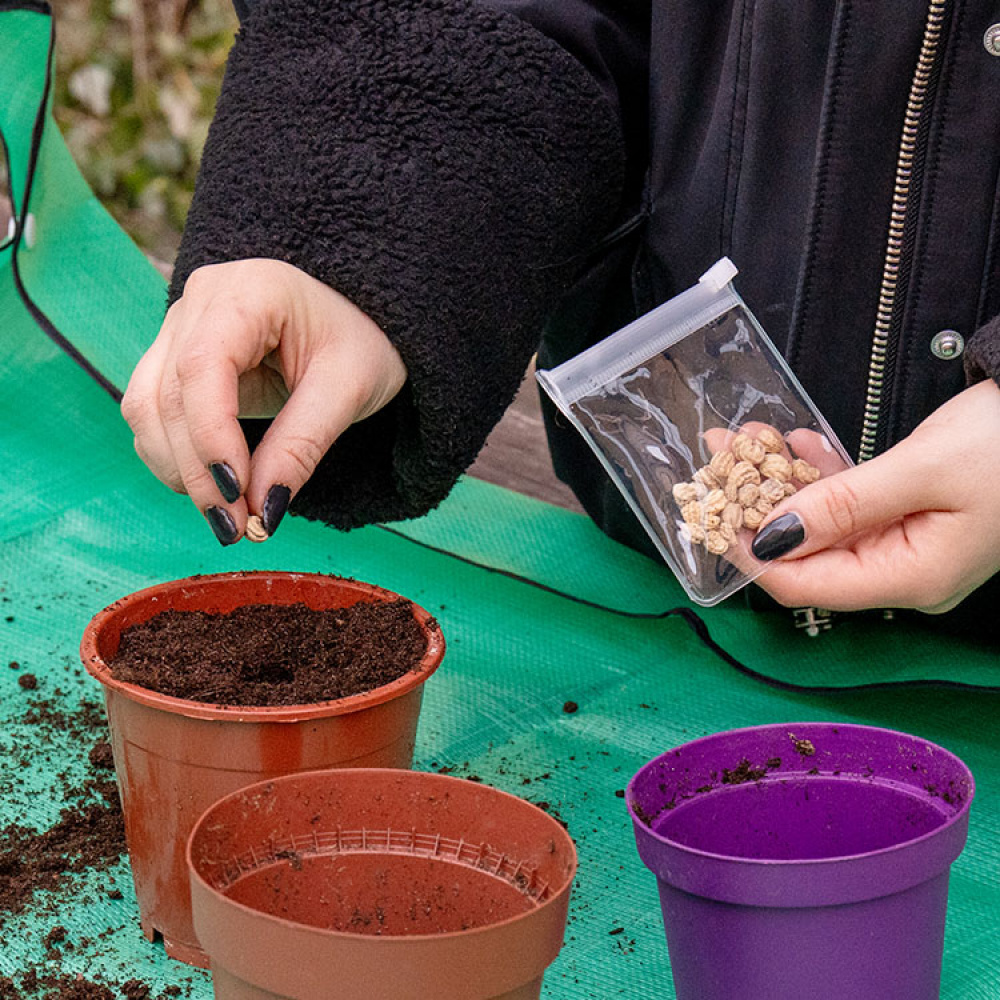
x=275, y=505
x=225, y=479
x=780, y=536
x=222, y=524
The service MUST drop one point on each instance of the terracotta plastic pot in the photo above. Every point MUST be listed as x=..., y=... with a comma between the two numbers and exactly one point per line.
x=803, y=860
x=174, y=757
x=351, y=885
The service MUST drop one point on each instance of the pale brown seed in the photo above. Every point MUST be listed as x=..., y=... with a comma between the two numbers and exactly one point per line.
x=714, y=502
x=255, y=529
x=722, y=464
x=747, y=449
x=707, y=476
x=738, y=442
x=693, y=532
x=772, y=491
x=686, y=492
x=748, y=495
x=752, y=518
x=692, y=512
x=743, y=473
x=804, y=472
x=716, y=543
x=772, y=441
x=728, y=531
x=776, y=467
x=732, y=515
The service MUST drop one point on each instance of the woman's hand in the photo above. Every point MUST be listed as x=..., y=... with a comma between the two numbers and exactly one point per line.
x=916, y=527
x=254, y=338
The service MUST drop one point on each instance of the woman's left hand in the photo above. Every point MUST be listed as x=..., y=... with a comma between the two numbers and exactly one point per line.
x=916, y=527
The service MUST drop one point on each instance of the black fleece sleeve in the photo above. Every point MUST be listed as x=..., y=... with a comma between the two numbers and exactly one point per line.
x=441, y=164
x=982, y=358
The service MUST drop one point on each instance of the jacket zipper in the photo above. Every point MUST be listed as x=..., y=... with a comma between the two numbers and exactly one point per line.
x=895, y=264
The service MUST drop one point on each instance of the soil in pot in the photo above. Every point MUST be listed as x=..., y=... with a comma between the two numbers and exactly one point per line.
x=215, y=682
x=271, y=655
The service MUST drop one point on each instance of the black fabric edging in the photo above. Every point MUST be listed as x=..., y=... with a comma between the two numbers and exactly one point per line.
x=47, y=326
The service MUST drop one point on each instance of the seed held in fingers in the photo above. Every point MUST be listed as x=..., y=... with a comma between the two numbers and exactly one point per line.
x=255, y=529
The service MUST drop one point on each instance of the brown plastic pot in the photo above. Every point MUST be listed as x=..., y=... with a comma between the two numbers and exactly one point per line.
x=379, y=883
x=175, y=757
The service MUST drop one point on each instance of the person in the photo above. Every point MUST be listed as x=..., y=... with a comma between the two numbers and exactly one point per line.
x=400, y=202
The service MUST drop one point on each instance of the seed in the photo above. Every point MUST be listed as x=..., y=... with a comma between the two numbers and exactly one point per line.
x=255, y=529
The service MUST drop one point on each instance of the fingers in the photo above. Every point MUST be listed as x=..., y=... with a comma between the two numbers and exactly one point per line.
x=141, y=412
x=838, y=580
x=833, y=510
x=816, y=449
x=345, y=377
x=182, y=404
x=214, y=487
x=922, y=562
x=265, y=336
x=329, y=397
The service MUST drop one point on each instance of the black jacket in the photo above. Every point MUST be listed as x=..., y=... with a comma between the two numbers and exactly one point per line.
x=470, y=173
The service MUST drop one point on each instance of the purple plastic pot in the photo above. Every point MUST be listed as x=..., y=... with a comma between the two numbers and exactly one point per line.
x=803, y=860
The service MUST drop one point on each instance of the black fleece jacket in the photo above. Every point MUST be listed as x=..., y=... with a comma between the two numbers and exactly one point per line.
x=456, y=167
x=441, y=164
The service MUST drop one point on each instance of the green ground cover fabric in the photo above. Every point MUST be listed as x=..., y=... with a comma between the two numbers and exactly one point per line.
x=83, y=523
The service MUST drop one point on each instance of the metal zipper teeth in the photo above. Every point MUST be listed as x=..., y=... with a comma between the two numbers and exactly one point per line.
x=894, y=244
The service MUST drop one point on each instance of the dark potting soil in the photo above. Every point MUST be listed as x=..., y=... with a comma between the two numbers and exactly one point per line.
x=87, y=835
x=90, y=830
x=268, y=655
x=39, y=869
x=64, y=987
x=742, y=773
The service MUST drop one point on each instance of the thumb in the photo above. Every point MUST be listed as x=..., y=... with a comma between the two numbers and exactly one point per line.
x=831, y=510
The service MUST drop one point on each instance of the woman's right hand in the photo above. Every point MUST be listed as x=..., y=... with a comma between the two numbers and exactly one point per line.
x=254, y=338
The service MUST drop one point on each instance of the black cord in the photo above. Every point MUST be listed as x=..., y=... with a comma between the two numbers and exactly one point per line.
x=694, y=621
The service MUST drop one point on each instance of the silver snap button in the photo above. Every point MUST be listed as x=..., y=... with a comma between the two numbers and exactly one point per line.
x=947, y=345
x=992, y=39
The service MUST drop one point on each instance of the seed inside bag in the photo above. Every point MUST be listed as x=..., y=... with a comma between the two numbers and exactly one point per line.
x=701, y=426
x=751, y=477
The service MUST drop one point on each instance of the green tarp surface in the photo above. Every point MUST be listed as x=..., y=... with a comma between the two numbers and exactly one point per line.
x=527, y=595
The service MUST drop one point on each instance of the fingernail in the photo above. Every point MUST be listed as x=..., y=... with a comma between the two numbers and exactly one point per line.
x=222, y=524
x=225, y=479
x=780, y=536
x=275, y=505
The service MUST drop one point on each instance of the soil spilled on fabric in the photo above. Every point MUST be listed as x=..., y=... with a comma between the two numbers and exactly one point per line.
x=271, y=655
x=89, y=834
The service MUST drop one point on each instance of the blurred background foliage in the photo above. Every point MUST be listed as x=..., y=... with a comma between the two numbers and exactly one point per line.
x=136, y=86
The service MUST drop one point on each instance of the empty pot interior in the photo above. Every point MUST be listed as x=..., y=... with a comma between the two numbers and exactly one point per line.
x=381, y=851
x=800, y=792
x=802, y=818
x=380, y=893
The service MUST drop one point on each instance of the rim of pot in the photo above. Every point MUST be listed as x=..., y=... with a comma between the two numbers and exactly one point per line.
x=959, y=815
x=97, y=666
x=417, y=777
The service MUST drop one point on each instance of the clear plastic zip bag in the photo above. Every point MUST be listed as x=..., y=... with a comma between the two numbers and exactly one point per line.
x=701, y=425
